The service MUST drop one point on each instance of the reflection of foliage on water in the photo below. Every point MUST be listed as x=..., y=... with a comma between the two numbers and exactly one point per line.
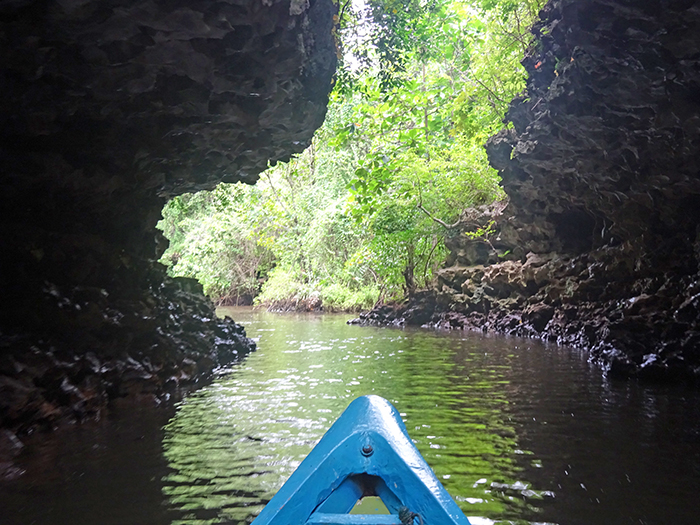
x=232, y=445
x=454, y=402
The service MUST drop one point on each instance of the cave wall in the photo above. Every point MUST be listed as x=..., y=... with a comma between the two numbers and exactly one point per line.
x=602, y=171
x=108, y=109
x=599, y=244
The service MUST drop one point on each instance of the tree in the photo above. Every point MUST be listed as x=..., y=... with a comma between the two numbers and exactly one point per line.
x=422, y=136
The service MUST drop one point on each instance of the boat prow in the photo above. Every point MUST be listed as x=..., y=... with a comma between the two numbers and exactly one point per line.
x=367, y=452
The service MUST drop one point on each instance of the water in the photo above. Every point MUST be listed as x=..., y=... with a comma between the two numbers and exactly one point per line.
x=518, y=432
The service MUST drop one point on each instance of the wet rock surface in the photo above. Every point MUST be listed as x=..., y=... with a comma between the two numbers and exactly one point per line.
x=108, y=109
x=599, y=244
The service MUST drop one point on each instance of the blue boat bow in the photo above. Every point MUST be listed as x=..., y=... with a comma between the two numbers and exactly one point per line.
x=367, y=452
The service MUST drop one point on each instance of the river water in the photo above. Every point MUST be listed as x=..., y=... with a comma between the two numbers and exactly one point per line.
x=517, y=431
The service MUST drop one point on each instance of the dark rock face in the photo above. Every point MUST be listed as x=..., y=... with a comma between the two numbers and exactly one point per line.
x=109, y=108
x=600, y=243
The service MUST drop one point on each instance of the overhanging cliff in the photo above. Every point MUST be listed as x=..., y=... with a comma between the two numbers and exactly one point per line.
x=108, y=109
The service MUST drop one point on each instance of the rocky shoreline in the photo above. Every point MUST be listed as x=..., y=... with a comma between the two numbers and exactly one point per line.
x=46, y=382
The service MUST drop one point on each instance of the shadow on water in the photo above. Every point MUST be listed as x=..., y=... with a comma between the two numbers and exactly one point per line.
x=517, y=431
x=106, y=472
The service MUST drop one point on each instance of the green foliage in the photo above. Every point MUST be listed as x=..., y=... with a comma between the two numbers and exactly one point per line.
x=211, y=241
x=483, y=231
x=282, y=285
x=337, y=297
x=362, y=214
x=422, y=134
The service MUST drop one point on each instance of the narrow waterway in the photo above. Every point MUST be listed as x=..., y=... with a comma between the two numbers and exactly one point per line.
x=517, y=431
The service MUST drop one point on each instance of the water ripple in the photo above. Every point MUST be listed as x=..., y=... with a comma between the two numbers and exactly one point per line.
x=233, y=444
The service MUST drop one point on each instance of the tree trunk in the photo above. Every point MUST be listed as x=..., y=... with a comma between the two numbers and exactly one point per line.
x=408, y=271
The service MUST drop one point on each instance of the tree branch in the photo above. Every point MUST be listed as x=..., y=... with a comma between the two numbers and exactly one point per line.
x=427, y=260
x=489, y=90
x=437, y=220
x=342, y=11
x=430, y=215
x=274, y=191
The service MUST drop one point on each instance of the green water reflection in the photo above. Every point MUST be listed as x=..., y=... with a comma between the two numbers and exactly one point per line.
x=233, y=444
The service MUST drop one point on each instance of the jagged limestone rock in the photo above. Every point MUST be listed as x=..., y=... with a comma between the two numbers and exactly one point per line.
x=108, y=109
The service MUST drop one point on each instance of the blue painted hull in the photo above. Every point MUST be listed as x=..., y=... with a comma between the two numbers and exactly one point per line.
x=367, y=452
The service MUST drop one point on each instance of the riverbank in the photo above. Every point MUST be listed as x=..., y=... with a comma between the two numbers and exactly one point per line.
x=152, y=358
x=559, y=299
x=334, y=298
x=599, y=246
